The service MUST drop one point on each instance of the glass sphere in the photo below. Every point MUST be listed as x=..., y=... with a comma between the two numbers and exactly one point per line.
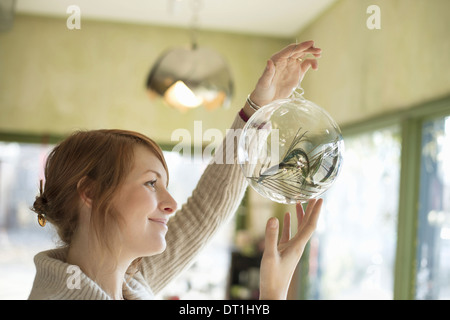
x=291, y=150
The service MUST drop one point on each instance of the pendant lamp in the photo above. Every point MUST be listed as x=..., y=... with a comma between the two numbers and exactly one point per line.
x=192, y=76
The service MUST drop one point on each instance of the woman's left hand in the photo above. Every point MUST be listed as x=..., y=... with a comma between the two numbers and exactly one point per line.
x=284, y=71
x=280, y=260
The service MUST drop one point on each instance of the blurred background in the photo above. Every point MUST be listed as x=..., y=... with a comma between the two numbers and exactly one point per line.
x=384, y=76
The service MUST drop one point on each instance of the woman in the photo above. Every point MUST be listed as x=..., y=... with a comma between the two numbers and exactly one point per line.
x=106, y=194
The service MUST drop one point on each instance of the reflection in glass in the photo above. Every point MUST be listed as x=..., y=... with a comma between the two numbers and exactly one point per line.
x=352, y=255
x=433, y=252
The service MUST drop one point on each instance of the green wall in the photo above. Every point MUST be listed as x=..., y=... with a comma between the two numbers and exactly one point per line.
x=54, y=80
x=365, y=73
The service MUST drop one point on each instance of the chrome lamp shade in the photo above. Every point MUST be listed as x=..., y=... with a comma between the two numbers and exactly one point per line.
x=191, y=77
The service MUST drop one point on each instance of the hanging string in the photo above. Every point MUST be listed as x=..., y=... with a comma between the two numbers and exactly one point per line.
x=196, y=5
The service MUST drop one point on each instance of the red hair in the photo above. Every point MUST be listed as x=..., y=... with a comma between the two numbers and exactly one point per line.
x=97, y=161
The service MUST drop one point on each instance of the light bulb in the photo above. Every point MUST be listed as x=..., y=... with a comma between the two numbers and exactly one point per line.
x=181, y=96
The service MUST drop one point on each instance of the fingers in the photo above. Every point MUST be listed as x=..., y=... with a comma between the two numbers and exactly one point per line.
x=266, y=78
x=302, y=216
x=308, y=222
x=312, y=213
x=310, y=206
x=314, y=52
x=297, y=59
x=286, y=234
x=309, y=63
x=292, y=50
x=300, y=213
x=297, y=50
x=271, y=238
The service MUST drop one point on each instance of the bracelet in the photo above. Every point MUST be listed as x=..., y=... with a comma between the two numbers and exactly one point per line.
x=243, y=115
x=252, y=105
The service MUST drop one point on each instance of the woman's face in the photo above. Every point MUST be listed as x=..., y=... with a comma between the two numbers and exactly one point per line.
x=145, y=205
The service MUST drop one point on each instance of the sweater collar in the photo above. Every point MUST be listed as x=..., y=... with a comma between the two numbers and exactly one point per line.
x=56, y=279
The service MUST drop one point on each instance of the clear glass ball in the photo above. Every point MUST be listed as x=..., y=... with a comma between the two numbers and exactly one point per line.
x=291, y=150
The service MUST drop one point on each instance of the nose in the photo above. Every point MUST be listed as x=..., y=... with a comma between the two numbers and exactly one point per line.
x=168, y=205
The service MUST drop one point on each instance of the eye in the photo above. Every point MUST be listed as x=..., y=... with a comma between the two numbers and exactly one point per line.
x=151, y=183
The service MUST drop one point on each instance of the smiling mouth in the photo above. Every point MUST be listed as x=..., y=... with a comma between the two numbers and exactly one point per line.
x=159, y=221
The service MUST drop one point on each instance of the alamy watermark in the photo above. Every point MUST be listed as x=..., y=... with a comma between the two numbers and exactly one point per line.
x=373, y=22
x=73, y=22
x=74, y=279
x=258, y=144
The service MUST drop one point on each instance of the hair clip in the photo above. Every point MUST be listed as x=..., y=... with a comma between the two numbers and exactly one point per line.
x=41, y=220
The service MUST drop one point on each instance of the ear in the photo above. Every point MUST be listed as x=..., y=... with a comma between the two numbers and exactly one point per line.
x=84, y=191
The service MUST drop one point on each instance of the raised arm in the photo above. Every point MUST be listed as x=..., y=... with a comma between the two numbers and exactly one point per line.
x=222, y=185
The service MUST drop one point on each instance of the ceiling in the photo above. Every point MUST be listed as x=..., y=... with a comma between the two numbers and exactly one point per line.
x=279, y=18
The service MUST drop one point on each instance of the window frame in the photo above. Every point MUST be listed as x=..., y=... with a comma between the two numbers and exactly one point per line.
x=410, y=121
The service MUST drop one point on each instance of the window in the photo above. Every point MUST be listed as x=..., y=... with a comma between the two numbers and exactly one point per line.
x=384, y=232
x=433, y=251
x=21, y=167
x=353, y=254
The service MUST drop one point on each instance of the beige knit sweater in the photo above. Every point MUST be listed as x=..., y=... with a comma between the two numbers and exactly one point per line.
x=214, y=200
